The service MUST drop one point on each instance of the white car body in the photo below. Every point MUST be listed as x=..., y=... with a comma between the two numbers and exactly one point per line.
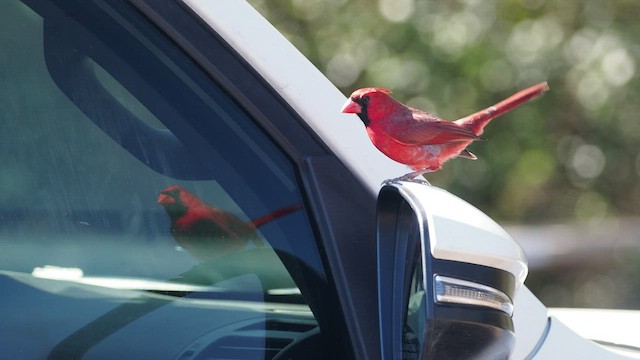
x=539, y=335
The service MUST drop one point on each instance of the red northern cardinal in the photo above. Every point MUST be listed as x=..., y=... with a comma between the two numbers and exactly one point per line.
x=206, y=231
x=419, y=139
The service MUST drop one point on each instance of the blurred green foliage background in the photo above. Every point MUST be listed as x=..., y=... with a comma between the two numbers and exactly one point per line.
x=572, y=155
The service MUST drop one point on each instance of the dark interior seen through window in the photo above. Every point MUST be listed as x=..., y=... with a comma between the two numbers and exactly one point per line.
x=100, y=114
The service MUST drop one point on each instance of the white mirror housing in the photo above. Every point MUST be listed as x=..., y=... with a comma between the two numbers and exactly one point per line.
x=447, y=276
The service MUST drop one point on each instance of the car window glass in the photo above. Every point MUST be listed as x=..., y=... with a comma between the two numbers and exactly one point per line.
x=135, y=191
x=414, y=323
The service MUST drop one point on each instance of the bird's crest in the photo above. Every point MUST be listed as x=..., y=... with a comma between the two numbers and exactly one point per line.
x=368, y=90
x=177, y=195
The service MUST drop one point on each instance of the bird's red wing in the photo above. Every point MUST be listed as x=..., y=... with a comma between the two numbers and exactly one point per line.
x=210, y=221
x=434, y=132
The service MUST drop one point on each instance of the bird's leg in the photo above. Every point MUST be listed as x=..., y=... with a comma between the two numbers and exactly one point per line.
x=412, y=177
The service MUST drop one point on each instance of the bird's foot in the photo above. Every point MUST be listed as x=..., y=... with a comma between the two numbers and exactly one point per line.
x=411, y=177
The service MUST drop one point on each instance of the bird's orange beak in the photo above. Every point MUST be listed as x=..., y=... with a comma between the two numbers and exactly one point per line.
x=351, y=107
x=164, y=199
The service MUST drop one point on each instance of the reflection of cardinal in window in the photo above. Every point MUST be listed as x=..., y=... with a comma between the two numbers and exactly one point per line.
x=206, y=231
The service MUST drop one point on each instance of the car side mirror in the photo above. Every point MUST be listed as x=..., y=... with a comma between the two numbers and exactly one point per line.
x=447, y=277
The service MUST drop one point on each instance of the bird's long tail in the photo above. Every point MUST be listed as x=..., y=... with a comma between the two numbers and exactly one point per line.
x=477, y=121
x=275, y=214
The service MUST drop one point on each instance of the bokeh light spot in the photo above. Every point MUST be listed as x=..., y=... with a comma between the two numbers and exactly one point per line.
x=618, y=67
x=343, y=70
x=591, y=206
x=396, y=11
x=592, y=92
x=588, y=161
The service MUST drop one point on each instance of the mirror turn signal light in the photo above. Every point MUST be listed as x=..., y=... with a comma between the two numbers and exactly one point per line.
x=455, y=291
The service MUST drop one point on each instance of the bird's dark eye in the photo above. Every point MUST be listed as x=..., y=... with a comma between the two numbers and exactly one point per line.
x=362, y=101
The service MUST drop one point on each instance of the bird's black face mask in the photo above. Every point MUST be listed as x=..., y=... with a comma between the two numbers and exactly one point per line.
x=364, y=104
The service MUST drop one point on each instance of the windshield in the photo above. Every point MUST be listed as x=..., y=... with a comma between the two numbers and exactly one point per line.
x=135, y=194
